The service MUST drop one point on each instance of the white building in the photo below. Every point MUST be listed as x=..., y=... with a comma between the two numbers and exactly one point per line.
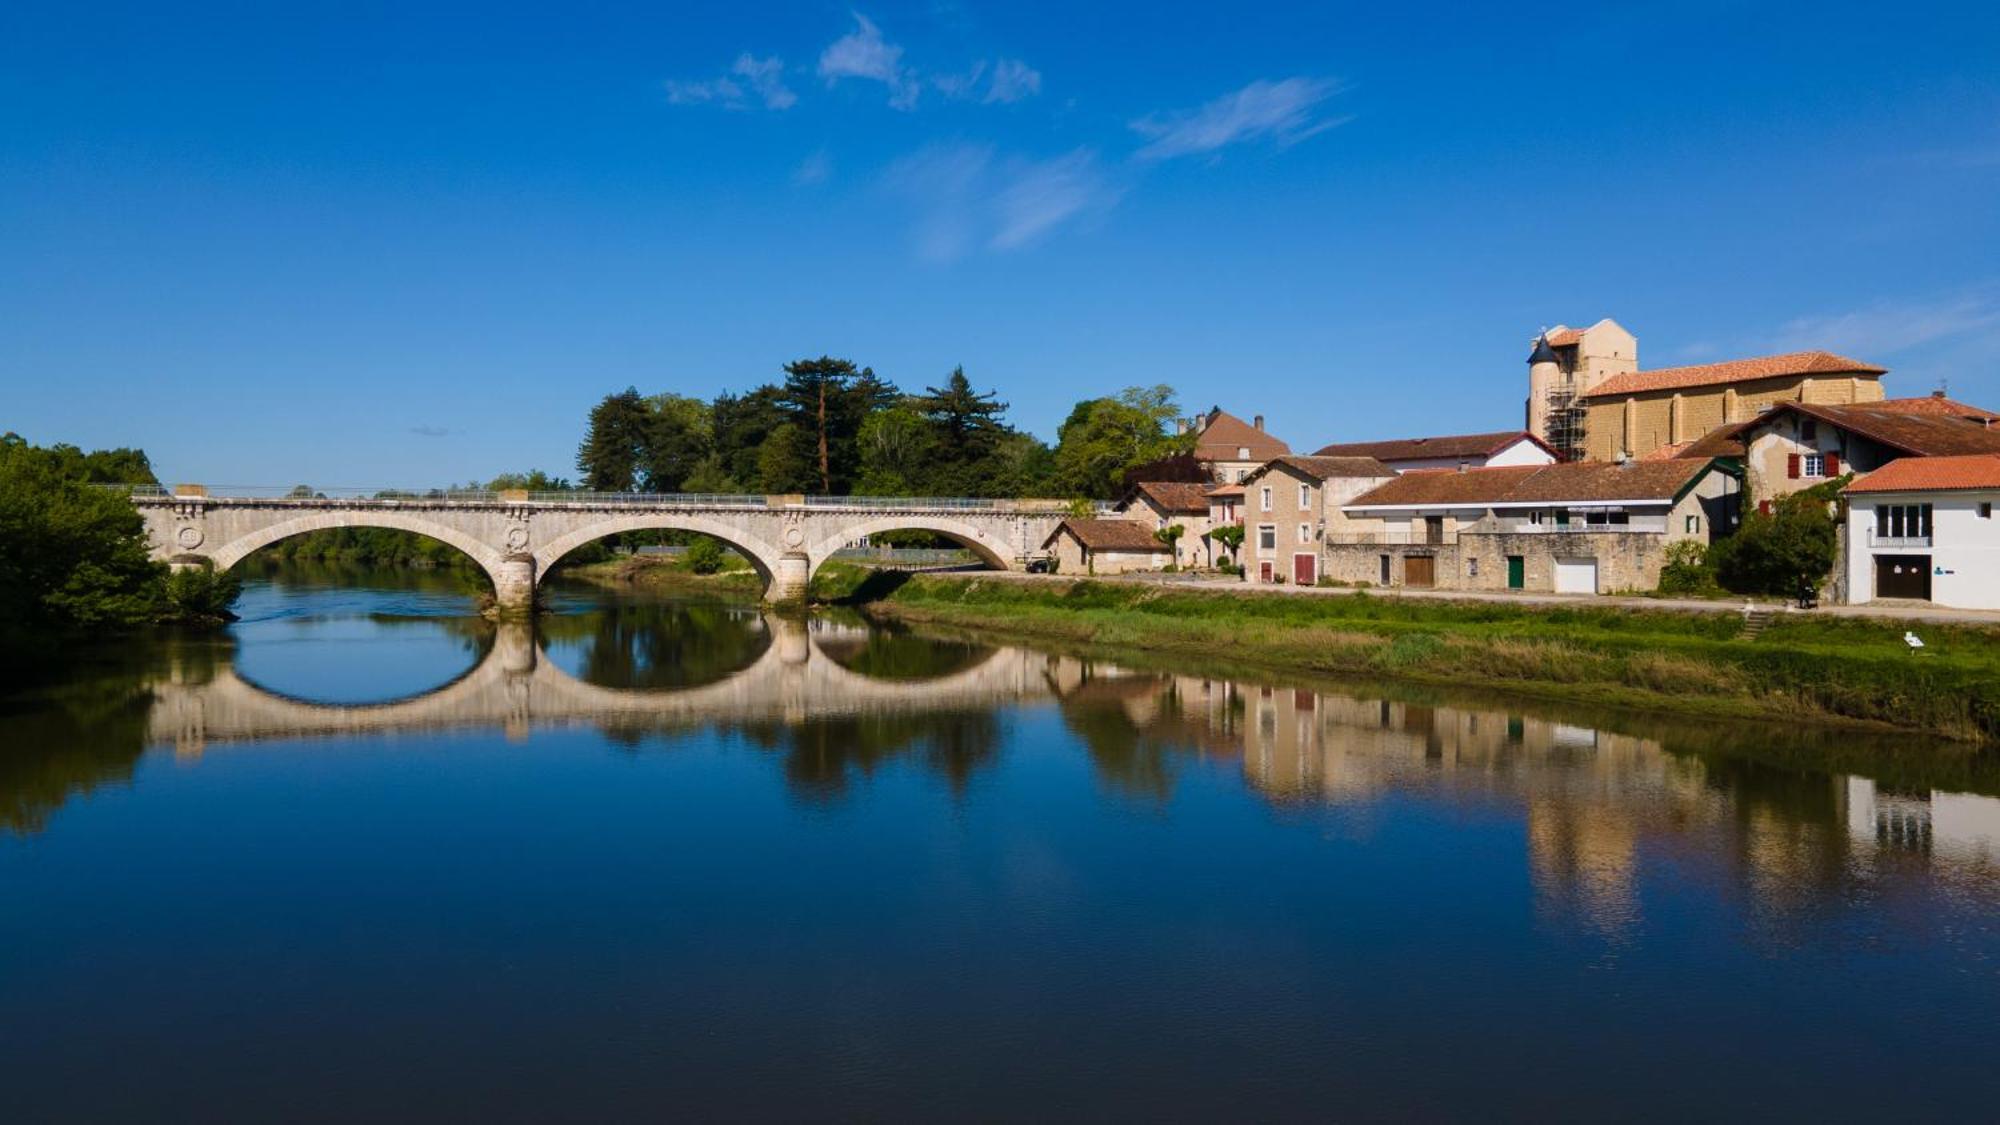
x=1923, y=528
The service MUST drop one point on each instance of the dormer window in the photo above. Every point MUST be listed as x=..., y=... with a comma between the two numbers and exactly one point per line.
x=1242, y=453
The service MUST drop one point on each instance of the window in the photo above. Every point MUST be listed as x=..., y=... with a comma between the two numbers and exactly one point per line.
x=1535, y=517
x=1985, y=510
x=1305, y=533
x=1242, y=453
x=1305, y=496
x=1472, y=568
x=1264, y=498
x=1267, y=537
x=1903, y=521
x=1385, y=580
x=1607, y=519
x=1809, y=430
x=1814, y=465
x=1692, y=526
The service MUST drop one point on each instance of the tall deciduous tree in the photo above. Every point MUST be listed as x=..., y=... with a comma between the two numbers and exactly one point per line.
x=1103, y=438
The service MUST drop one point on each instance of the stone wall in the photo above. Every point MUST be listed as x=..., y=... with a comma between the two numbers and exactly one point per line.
x=1640, y=424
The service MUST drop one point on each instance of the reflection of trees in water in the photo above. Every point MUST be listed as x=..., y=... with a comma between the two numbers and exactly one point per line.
x=897, y=654
x=89, y=732
x=649, y=647
x=1137, y=758
x=822, y=756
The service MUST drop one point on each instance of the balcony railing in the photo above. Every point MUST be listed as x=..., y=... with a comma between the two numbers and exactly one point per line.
x=1641, y=525
x=1390, y=538
x=1875, y=540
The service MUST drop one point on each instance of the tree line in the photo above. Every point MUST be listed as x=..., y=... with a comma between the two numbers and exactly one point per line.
x=832, y=428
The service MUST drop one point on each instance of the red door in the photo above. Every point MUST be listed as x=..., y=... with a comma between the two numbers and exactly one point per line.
x=1264, y=571
x=1305, y=570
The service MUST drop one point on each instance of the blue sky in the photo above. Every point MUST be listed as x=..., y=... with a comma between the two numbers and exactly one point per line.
x=369, y=245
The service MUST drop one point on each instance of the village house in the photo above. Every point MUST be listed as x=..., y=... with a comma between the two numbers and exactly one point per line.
x=1230, y=448
x=1923, y=528
x=1582, y=527
x=1159, y=505
x=1291, y=504
x=1105, y=546
x=1457, y=451
x=1794, y=446
x=1225, y=509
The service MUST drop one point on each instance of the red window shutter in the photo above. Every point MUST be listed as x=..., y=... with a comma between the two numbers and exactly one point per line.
x=1833, y=464
x=1764, y=506
x=1792, y=465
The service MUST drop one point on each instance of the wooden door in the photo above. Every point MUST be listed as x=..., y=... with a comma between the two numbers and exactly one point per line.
x=1305, y=570
x=1419, y=570
x=1264, y=572
x=1903, y=576
x=1517, y=572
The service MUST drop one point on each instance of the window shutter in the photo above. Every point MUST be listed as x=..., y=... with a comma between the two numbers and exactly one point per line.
x=1792, y=465
x=1833, y=464
x=1764, y=506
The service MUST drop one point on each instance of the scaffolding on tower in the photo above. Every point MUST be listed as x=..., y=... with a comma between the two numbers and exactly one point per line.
x=1565, y=421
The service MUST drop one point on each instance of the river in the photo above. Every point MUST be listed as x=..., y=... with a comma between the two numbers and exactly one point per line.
x=366, y=856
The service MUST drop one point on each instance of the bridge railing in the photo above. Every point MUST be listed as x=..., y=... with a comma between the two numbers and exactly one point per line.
x=305, y=494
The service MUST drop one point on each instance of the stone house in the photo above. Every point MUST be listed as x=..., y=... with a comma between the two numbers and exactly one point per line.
x=1105, y=546
x=1794, y=446
x=1470, y=451
x=1635, y=414
x=1162, y=504
x=1230, y=448
x=1225, y=508
x=1923, y=528
x=1583, y=527
x=1292, y=504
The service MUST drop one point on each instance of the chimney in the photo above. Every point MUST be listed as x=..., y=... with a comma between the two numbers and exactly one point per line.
x=1258, y=421
x=1939, y=393
x=1462, y=465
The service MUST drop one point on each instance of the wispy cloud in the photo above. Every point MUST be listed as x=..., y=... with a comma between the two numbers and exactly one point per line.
x=1285, y=112
x=765, y=78
x=814, y=169
x=1013, y=80
x=430, y=431
x=1887, y=327
x=966, y=197
x=864, y=54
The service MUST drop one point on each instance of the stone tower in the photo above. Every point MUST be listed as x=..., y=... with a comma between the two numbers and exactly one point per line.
x=1564, y=365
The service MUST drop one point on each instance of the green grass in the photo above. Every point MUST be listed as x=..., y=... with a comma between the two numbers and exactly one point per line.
x=1811, y=668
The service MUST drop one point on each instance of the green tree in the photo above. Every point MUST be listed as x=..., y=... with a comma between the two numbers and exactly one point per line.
x=1789, y=552
x=71, y=555
x=1230, y=535
x=898, y=450
x=782, y=463
x=534, y=480
x=827, y=400
x=968, y=433
x=614, y=442
x=741, y=424
x=1103, y=438
x=679, y=438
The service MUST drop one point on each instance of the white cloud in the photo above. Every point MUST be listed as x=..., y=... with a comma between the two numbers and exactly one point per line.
x=966, y=198
x=767, y=77
x=863, y=53
x=720, y=90
x=813, y=169
x=1013, y=80
x=1888, y=327
x=1283, y=111
x=960, y=85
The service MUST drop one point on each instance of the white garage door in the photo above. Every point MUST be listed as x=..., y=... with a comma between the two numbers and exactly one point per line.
x=1576, y=576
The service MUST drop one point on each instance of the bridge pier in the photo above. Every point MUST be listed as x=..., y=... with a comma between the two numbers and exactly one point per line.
x=789, y=581
x=514, y=585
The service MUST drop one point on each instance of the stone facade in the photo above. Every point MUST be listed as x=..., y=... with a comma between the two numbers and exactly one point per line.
x=1639, y=424
x=1072, y=557
x=1287, y=512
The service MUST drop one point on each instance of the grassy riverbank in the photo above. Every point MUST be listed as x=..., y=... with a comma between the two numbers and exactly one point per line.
x=1818, y=669
x=672, y=574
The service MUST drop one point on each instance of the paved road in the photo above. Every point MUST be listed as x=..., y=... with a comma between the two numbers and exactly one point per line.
x=1903, y=611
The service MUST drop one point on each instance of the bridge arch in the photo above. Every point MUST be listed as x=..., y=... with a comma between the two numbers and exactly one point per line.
x=763, y=556
x=990, y=549
x=236, y=550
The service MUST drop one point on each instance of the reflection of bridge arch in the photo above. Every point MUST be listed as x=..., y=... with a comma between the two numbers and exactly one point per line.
x=516, y=688
x=241, y=547
x=763, y=556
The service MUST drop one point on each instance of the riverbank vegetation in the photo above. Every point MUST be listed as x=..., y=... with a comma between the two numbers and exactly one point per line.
x=1802, y=667
x=74, y=558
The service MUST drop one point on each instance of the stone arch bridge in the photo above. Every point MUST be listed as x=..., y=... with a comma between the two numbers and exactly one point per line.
x=518, y=536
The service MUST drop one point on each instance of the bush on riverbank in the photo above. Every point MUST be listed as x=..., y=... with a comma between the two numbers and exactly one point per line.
x=1802, y=666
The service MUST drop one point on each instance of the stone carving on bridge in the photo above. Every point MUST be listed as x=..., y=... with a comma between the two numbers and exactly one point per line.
x=189, y=536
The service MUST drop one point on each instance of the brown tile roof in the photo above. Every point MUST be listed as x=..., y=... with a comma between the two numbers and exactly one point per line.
x=1410, y=449
x=1225, y=490
x=1723, y=441
x=1171, y=496
x=1326, y=468
x=1933, y=404
x=1576, y=482
x=1225, y=434
x=1734, y=371
x=1926, y=474
x=1924, y=435
x=1563, y=337
x=1109, y=535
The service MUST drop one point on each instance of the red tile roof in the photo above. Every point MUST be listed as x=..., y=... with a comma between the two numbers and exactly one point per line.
x=1933, y=474
x=1225, y=490
x=1576, y=482
x=1932, y=404
x=1171, y=496
x=1224, y=436
x=1452, y=445
x=1564, y=337
x=1326, y=468
x=1734, y=371
x=1109, y=535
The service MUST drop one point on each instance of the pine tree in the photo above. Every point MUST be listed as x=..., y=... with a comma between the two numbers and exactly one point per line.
x=614, y=443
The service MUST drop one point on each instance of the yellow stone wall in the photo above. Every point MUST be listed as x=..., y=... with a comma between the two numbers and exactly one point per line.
x=1640, y=424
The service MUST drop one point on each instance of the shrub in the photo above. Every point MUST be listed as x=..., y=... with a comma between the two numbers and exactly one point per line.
x=1688, y=569
x=1788, y=553
x=705, y=556
x=198, y=594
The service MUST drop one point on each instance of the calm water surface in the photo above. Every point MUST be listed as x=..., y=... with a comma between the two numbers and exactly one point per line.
x=368, y=857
